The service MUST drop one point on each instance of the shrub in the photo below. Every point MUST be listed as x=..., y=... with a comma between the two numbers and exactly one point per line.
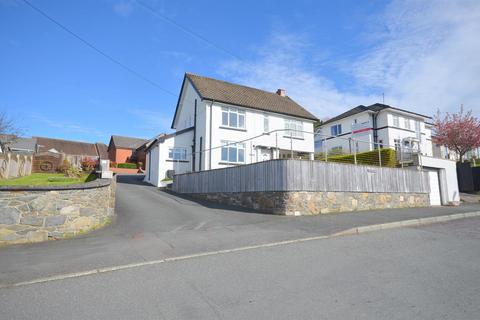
x=367, y=158
x=127, y=165
x=88, y=164
x=69, y=170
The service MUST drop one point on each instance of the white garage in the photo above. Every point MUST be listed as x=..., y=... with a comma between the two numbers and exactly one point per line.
x=435, y=197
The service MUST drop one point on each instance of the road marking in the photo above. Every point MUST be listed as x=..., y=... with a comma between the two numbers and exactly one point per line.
x=200, y=225
x=352, y=231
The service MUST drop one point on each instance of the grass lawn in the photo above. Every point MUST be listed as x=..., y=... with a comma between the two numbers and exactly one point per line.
x=46, y=179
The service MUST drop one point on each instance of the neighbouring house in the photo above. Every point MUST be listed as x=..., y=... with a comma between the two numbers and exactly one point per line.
x=51, y=152
x=123, y=149
x=220, y=124
x=13, y=143
x=365, y=128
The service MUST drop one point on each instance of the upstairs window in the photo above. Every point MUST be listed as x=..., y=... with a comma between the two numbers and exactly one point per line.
x=266, y=127
x=407, y=123
x=233, y=118
x=396, y=121
x=177, y=154
x=294, y=128
x=336, y=130
x=233, y=152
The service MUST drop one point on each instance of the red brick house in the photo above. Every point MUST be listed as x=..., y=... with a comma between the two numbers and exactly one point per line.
x=124, y=149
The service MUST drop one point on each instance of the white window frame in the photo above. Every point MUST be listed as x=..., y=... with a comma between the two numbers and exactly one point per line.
x=226, y=154
x=396, y=120
x=294, y=128
x=231, y=113
x=177, y=153
x=336, y=129
x=266, y=123
x=407, y=123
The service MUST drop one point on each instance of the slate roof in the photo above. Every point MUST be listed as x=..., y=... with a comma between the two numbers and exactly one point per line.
x=374, y=107
x=127, y=142
x=239, y=95
x=66, y=146
x=24, y=144
x=102, y=150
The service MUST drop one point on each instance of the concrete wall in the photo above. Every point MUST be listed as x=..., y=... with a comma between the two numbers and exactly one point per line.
x=447, y=170
x=33, y=214
x=13, y=165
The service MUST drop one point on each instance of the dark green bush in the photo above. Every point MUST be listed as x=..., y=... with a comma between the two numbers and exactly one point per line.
x=127, y=165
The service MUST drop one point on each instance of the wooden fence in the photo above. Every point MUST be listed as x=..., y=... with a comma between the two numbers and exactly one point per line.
x=14, y=165
x=301, y=175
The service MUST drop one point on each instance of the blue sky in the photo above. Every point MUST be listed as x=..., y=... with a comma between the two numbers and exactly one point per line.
x=328, y=55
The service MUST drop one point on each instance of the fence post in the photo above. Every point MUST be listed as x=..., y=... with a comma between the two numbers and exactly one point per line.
x=276, y=145
x=354, y=151
x=291, y=146
x=326, y=150
x=379, y=156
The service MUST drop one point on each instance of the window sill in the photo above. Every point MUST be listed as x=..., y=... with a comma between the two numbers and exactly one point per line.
x=295, y=138
x=232, y=128
x=231, y=163
x=183, y=161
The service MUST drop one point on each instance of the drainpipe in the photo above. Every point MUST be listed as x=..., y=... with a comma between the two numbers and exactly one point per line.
x=210, y=139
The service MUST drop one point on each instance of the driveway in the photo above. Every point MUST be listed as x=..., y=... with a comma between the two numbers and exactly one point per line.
x=153, y=224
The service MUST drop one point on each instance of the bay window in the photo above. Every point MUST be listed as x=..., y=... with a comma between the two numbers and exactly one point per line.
x=233, y=118
x=233, y=152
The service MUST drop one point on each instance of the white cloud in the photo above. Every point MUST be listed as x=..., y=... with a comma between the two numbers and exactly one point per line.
x=428, y=57
x=424, y=55
x=282, y=63
x=123, y=8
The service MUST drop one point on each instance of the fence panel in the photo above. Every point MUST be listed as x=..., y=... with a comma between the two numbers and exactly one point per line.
x=301, y=175
x=13, y=165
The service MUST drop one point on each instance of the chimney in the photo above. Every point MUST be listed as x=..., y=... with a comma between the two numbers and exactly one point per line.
x=281, y=92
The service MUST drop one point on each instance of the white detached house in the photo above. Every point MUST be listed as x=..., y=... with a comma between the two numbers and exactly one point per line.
x=364, y=128
x=220, y=124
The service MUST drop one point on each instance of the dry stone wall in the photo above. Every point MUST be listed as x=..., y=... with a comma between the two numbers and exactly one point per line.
x=311, y=203
x=33, y=214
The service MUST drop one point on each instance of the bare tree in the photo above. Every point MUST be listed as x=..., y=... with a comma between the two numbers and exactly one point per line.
x=8, y=131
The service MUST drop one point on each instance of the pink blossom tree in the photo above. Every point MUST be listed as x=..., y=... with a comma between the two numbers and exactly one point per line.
x=459, y=131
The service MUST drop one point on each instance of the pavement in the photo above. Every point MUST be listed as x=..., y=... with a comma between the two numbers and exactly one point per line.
x=152, y=225
x=428, y=272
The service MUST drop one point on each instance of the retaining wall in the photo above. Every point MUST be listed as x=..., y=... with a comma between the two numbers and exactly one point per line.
x=33, y=214
x=298, y=187
x=311, y=203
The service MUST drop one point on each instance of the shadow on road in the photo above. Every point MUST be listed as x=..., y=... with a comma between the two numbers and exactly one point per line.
x=213, y=205
x=132, y=179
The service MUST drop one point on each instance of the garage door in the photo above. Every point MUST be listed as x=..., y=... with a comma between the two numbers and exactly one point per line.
x=435, y=199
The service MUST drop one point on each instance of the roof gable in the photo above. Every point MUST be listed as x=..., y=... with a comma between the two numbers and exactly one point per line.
x=243, y=96
x=123, y=142
x=66, y=146
x=372, y=108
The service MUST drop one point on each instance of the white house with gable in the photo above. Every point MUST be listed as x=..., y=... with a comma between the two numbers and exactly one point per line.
x=364, y=128
x=220, y=124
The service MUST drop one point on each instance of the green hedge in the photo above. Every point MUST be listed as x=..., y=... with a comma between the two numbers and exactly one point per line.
x=127, y=165
x=388, y=156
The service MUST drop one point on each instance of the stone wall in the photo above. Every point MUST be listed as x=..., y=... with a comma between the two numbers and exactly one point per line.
x=311, y=203
x=32, y=214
